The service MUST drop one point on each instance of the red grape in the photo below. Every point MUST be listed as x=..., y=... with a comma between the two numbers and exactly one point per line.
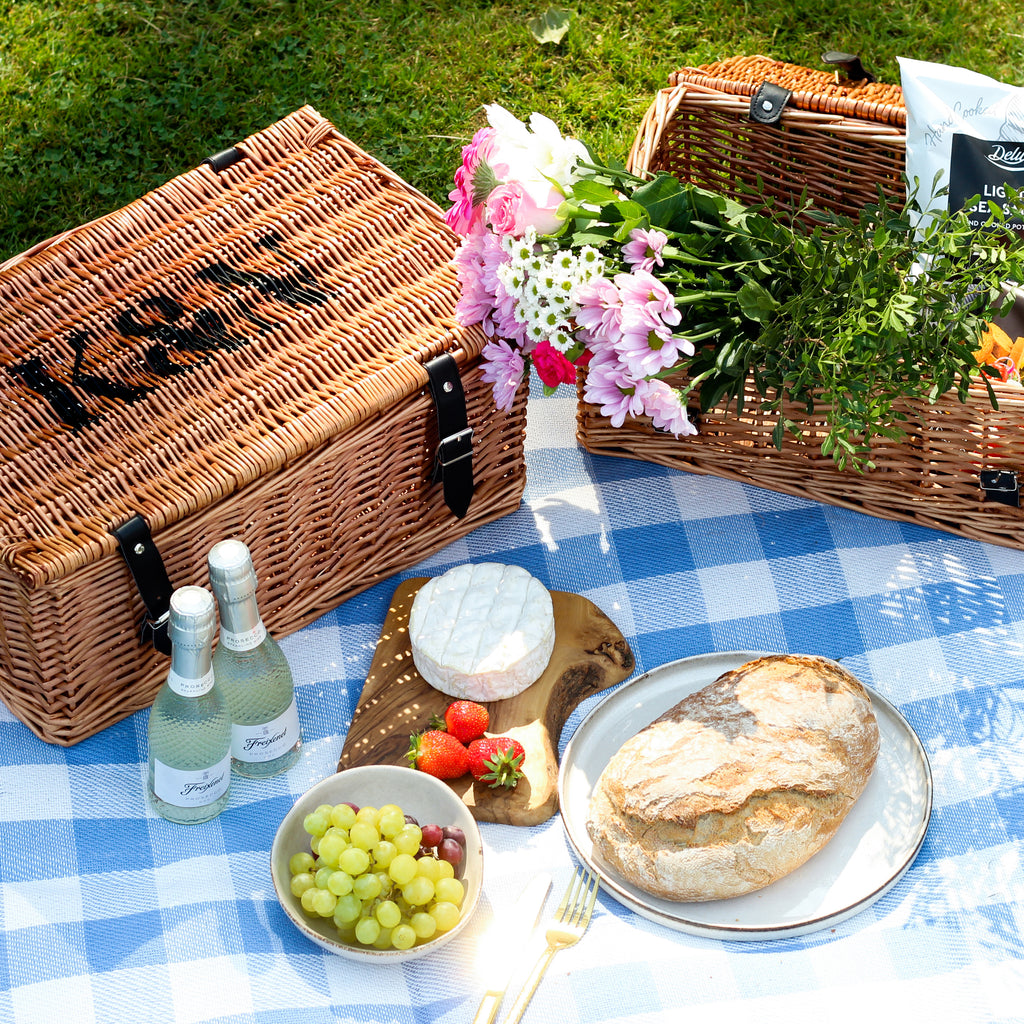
x=451, y=851
x=456, y=833
x=432, y=835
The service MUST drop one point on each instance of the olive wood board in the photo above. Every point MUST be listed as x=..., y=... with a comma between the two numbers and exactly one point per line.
x=590, y=655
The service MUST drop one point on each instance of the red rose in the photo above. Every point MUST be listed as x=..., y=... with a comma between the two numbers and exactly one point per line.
x=552, y=367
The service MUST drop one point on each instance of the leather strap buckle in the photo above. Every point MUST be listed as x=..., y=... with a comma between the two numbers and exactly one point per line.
x=452, y=449
x=147, y=569
x=453, y=464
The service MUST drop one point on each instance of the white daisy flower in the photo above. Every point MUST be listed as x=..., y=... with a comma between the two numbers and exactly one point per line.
x=561, y=340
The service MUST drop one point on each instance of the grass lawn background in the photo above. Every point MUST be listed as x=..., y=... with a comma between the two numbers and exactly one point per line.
x=103, y=100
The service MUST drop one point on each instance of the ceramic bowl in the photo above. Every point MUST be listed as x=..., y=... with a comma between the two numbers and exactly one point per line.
x=422, y=796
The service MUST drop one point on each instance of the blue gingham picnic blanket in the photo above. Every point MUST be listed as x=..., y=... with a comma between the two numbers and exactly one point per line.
x=111, y=914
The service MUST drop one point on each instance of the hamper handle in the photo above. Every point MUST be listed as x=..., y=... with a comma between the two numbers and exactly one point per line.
x=648, y=137
x=850, y=63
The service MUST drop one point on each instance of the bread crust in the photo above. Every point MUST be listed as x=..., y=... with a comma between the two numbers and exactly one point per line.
x=739, y=783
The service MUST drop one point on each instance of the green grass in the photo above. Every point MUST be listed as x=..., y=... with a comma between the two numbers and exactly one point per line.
x=103, y=100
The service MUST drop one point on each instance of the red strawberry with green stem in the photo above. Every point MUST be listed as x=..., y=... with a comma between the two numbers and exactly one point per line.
x=466, y=720
x=438, y=754
x=497, y=760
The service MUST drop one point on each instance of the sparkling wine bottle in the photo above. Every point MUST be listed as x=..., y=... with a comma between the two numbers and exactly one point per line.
x=189, y=723
x=251, y=670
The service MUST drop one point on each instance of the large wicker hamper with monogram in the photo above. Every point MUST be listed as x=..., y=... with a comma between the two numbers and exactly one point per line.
x=834, y=141
x=263, y=348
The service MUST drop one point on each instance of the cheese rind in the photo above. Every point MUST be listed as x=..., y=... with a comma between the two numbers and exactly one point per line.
x=482, y=632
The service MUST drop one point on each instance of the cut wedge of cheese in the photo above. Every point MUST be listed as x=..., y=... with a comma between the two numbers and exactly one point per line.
x=482, y=632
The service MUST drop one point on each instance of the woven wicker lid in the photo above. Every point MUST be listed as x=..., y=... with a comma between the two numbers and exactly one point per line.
x=820, y=91
x=163, y=357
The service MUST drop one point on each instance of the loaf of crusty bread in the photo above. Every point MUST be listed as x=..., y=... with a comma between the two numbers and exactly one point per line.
x=739, y=783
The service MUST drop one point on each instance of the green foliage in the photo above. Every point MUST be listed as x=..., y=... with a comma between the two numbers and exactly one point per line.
x=551, y=26
x=102, y=100
x=838, y=317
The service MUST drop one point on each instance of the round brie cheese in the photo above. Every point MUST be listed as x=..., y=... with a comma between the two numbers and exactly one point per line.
x=482, y=632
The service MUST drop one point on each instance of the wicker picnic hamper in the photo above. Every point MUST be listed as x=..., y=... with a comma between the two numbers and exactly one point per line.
x=957, y=467
x=838, y=140
x=242, y=352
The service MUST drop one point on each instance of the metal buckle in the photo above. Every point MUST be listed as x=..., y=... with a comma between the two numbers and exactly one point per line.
x=455, y=447
x=154, y=631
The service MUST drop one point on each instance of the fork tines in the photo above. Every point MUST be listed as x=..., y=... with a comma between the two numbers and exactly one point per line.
x=580, y=896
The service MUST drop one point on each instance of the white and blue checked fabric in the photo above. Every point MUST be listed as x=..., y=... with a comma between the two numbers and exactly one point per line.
x=110, y=914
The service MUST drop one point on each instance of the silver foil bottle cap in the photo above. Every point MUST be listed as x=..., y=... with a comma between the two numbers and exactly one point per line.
x=231, y=571
x=193, y=618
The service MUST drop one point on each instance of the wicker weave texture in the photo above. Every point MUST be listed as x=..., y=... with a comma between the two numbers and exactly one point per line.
x=839, y=142
x=239, y=353
x=846, y=141
x=930, y=477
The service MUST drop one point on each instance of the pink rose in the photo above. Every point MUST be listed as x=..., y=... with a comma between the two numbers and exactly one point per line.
x=511, y=209
x=552, y=367
x=503, y=208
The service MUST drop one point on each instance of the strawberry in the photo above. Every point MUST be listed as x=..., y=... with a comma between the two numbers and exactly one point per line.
x=466, y=720
x=497, y=760
x=437, y=754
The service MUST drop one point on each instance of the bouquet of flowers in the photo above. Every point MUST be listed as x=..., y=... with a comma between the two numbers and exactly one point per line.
x=669, y=294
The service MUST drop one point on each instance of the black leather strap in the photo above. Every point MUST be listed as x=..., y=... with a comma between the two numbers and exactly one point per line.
x=453, y=466
x=147, y=569
x=767, y=104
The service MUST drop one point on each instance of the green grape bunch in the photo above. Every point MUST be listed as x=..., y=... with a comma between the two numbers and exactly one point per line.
x=387, y=882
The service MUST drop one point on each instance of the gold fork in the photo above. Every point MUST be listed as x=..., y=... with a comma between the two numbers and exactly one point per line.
x=565, y=929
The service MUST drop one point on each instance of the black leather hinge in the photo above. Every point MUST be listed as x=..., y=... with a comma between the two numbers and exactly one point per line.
x=1001, y=485
x=453, y=466
x=768, y=103
x=147, y=569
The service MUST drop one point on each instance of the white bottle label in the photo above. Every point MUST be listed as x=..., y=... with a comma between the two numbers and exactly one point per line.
x=247, y=641
x=258, y=743
x=187, y=687
x=191, y=788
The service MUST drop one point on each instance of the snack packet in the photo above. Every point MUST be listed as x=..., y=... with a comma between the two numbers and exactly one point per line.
x=965, y=138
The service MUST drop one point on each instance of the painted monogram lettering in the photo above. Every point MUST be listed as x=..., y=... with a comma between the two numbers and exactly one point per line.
x=175, y=341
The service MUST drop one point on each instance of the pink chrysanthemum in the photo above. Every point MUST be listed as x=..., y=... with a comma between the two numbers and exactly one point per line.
x=504, y=369
x=476, y=296
x=641, y=288
x=599, y=313
x=610, y=387
x=643, y=250
x=482, y=297
x=647, y=345
x=665, y=407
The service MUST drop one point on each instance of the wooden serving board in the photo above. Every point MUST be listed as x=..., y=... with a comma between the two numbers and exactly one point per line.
x=590, y=655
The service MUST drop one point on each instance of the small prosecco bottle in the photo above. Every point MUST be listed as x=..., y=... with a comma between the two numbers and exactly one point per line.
x=251, y=670
x=189, y=724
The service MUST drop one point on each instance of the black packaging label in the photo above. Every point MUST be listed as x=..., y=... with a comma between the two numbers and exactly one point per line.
x=979, y=167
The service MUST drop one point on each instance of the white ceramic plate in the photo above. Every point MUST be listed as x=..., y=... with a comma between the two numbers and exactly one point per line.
x=870, y=852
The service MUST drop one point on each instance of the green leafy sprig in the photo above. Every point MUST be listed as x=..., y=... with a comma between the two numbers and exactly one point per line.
x=853, y=317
